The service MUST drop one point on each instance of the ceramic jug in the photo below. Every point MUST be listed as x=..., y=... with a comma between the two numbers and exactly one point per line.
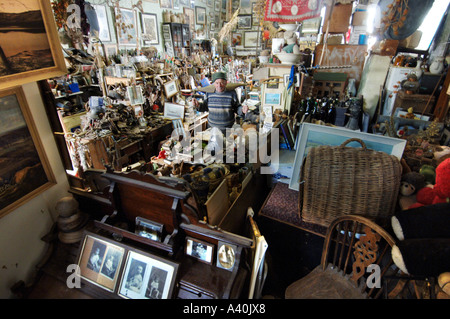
x=438, y=65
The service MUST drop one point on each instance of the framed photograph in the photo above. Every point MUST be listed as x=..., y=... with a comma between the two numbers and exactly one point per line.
x=100, y=261
x=210, y=3
x=135, y=94
x=236, y=38
x=185, y=3
x=212, y=26
x=296, y=80
x=149, y=29
x=201, y=250
x=126, y=27
x=226, y=255
x=102, y=18
x=272, y=98
x=173, y=111
x=26, y=171
x=38, y=55
x=170, y=88
x=200, y=15
x=244, y=21
x=148, y=229
x=165, y=4
x=190, y=14
x=147, y=276
x=312, y=135
x=110, y=50
x=176, y=4
x=217, y=5
x=250, y=39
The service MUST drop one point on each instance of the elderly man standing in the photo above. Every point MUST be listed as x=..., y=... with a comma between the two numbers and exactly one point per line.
x=222, y=105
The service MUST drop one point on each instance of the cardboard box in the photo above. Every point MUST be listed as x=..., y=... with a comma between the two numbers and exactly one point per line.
x=340, y=18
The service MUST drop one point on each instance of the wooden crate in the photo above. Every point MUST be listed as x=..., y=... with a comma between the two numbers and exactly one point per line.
x=417, y=101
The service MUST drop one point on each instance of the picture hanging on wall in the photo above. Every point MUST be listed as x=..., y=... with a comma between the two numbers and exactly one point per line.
x=200, y=15
x=244, y=21
x=25, y=172
x=150, y=29
x=190, y=14
x=38, y=54
x=185, y=3
x=250, y=39
x=102, y=18
x=165, y=4
x=126, y=27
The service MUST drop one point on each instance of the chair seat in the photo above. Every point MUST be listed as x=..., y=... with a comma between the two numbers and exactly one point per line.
x=324, y=284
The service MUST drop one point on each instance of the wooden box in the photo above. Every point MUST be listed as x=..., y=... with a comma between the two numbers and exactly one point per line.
x=417, y=101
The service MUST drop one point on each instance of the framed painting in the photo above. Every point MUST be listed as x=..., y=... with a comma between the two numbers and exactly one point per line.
x=185, y=3
x=100, y=261
x=250, y=39
x=166, y=4
x=312, y=135
x=25, y=171
x=200, y=15
x=190, y=14
x=126, y=27
x=149, y=29
x=38, y=55
x=244, y=21
x=272, y=98
x=102, y=18
x=147, y=276
x=236, y=38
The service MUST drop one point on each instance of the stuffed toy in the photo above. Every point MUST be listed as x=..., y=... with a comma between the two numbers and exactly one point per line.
x=440, y=191
x=412, y=182
x=423, y=248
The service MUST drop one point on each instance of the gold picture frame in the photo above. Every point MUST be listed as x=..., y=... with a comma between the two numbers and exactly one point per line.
x=36, y=28
x=26, y=170
x=100, y=261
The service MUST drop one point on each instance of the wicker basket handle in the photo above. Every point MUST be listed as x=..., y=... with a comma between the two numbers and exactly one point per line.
x=355, y=140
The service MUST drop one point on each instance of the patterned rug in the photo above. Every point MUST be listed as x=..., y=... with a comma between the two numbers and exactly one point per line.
x=282, y=205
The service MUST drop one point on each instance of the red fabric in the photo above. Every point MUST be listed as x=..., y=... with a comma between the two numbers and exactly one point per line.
x=289, y=11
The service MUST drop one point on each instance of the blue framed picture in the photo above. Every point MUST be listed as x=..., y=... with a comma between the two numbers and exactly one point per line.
x=272, y=98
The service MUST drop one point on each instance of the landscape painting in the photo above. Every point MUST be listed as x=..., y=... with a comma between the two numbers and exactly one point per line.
x=38, y=54
x=24, y=169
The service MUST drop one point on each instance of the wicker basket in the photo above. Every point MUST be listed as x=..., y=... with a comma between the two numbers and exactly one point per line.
x=340, y=180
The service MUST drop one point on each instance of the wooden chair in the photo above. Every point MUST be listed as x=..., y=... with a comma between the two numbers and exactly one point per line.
x=356, y=255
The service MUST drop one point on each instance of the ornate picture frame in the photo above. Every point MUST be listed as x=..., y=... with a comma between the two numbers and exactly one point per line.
x=39, y=39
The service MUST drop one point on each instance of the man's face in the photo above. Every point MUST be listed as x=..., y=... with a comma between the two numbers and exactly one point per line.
x=220, y=85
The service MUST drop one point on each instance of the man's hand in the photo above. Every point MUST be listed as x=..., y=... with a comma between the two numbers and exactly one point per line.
x=195, y=102
x=244, y=108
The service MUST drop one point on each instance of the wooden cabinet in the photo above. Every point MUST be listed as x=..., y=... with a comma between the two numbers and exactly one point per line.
x=177, y=37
